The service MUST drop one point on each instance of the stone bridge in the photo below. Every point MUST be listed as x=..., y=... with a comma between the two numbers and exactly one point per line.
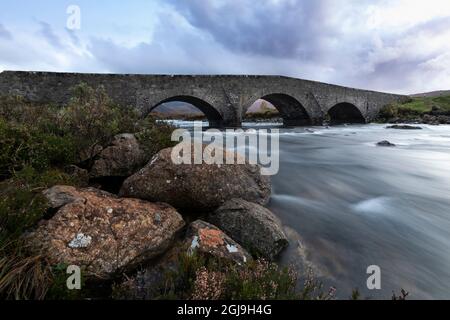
x=224, y=99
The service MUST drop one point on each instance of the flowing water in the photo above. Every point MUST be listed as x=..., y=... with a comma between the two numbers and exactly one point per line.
x=347, y=204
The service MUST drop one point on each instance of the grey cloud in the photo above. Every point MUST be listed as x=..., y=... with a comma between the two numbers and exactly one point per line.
x=47, y=32
x=281, y=29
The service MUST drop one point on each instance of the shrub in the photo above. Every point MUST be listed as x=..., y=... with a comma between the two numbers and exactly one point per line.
x=388, y=112
x=92, y=120
x=155, y=136
x=90, y=117
x=22, y=146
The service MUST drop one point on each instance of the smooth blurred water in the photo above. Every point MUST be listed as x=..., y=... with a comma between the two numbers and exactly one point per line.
x=352, y=204
x=347, y=204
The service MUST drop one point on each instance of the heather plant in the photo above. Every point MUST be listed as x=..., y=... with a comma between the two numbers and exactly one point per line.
x=260, y=280
x=202, y=277
x=208, y=285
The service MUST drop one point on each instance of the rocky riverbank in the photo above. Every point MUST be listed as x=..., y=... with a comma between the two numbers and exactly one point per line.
x=92, y=185
x=110, y=236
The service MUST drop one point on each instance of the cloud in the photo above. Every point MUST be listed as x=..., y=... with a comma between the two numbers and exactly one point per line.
x=5, y=33
x=356, y=43
x=46, y=31
x=73, y=37
x=274, y=28
x=396, y=45
x=43, y=49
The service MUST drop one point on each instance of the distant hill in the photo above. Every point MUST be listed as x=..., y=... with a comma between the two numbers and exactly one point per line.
x=432, y=94
x=177, y=108
x=261, y=106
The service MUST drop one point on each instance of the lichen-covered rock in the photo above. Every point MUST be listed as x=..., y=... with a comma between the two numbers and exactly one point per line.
x=59, y=196
x=103, y=233
x=256, y=228
x=206, y=238
x=196, y=187
x=123, y=157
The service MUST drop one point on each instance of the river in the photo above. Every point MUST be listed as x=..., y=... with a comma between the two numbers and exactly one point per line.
x=347, y=204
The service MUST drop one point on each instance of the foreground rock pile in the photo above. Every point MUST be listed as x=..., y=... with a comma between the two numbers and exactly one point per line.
x=110, y=234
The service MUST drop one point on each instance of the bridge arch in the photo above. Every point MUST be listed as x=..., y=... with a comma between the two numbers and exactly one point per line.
x=291, y=110
x=345, y=112
x=214, y=117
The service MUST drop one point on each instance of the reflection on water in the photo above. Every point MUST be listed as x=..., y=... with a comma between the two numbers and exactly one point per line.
x=349, y=204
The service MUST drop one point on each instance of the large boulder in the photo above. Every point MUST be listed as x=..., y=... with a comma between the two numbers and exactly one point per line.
x=123, y=157
x=205, y=238
x=196, y=187
x=256, y=228
x=103, y=233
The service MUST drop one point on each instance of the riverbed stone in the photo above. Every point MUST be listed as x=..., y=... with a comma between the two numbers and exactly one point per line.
x=385, y=143
x=404, y=127
x=256, y=228
x=196, y=187
x=103, y=233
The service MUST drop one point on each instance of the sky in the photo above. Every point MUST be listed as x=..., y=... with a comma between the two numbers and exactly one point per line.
x=400, y=46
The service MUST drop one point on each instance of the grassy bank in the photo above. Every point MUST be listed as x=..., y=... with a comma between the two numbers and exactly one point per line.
x=416, y=109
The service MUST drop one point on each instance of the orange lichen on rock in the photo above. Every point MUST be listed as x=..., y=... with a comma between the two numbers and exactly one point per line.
x=211, y=238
